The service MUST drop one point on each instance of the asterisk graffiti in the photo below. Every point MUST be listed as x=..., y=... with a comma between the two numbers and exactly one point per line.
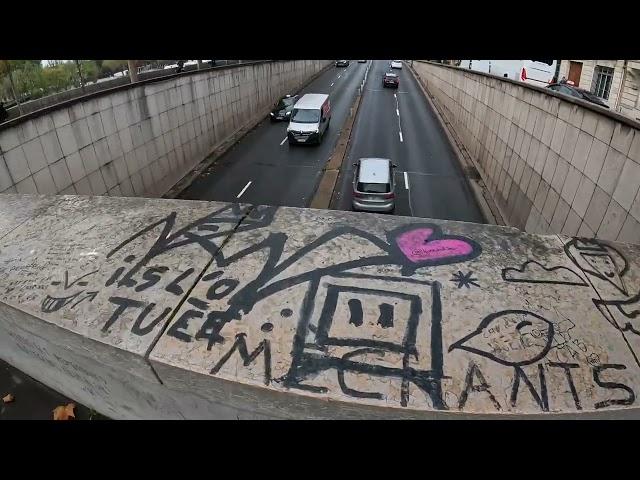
x=464, y=280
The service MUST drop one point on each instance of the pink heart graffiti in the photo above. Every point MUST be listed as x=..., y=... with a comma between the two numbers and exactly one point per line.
x=417, y=247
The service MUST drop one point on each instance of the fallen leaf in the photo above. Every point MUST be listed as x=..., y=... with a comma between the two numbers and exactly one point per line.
x=63, y=412
x=8, y=398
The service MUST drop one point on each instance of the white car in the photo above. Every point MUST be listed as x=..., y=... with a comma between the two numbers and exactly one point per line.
x=396, y=64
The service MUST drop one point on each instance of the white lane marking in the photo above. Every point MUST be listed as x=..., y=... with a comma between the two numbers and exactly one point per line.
x=332, y=84
x=398, y=113
x=245, y=188
x=339, y=76
x=406, y=181
x=281, y=143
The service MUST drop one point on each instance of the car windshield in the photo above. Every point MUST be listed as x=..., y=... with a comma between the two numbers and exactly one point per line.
x=303, y=115
x=373, y=187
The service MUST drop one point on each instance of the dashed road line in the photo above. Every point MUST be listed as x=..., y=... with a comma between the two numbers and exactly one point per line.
x=245, y=187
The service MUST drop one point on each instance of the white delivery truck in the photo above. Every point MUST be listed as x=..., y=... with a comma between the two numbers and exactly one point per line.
x=534, y=72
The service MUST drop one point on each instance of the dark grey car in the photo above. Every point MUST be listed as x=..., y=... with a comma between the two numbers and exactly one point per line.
x=580, y=93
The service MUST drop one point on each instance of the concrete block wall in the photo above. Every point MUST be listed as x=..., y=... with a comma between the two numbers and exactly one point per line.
x=139, y=140
x=553, y=165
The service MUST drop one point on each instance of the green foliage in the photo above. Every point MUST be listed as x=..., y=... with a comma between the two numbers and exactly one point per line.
x=58, y=77
x=89, y=70
x=31, y=80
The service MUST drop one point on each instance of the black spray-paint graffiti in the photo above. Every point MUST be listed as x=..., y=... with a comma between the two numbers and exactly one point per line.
x=410, y=247
x=622, y=314
x=436, y=251
x=499, y=337
x=518, y=338
x=312, y=341
x=600, y=261
x=534, y=272
x=464, y=279
x=316, y=348
x=52, y=304
x=605, y=268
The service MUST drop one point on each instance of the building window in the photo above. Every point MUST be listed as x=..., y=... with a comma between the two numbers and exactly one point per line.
x=602, y=79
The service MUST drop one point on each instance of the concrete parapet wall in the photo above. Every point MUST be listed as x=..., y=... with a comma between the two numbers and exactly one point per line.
x=140, y=140
x=553, y=164
x=150, y=308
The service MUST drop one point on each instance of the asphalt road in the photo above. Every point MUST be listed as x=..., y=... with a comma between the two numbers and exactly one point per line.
x=263, y=168
x=400, y=125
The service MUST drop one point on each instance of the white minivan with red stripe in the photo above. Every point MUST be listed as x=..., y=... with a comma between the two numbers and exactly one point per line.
x=534, y=72
x=309, y=119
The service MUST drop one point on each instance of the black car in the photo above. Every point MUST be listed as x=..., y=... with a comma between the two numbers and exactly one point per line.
x=576, y=92
x=390, y=80
x=342, y=63
x=282, y=110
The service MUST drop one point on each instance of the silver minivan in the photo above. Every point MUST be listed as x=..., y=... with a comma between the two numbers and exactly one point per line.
x=373, y=185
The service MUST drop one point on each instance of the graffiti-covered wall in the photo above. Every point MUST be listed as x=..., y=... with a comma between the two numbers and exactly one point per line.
x=203, y=309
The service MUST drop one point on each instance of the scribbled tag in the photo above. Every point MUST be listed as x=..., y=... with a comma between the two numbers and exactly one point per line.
x=417, y=247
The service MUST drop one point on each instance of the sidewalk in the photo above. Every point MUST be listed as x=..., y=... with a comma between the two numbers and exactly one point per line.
x=32, y=399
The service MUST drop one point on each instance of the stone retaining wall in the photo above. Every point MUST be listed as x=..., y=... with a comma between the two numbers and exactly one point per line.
x=552, y=163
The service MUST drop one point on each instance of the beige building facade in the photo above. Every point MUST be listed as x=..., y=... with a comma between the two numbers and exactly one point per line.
x=617, y=82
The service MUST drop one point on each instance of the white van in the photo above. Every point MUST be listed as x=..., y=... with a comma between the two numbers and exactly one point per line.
x=309, y=119
x=534, y=72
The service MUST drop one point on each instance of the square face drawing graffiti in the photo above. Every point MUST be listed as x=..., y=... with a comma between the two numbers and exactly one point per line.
x=381, y=328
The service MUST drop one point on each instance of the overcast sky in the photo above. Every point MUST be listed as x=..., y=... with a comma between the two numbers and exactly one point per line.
x=45, y=63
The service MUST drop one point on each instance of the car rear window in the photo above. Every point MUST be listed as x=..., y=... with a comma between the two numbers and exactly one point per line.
x=374, y=187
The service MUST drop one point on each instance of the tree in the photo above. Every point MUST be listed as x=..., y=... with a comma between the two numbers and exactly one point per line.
x=57, y=78
x=133, y=70
x=90, y=70
x=5, y=69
